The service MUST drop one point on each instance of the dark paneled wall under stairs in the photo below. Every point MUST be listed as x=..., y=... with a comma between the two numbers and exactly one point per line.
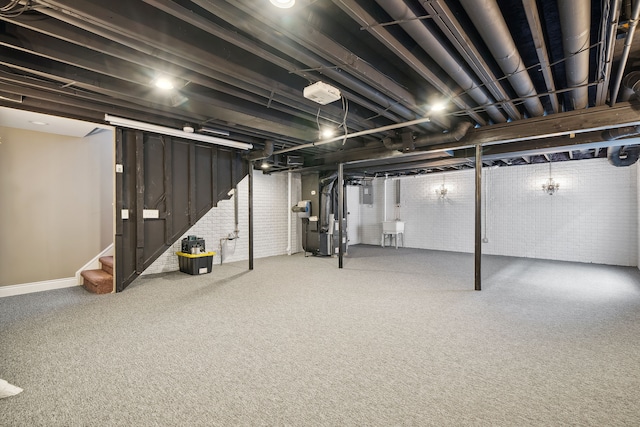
x=181, y=179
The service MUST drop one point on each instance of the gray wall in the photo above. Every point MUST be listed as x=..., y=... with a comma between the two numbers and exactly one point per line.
x=56, y=211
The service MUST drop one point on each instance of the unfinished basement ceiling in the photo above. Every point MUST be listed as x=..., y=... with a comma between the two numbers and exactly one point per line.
x=530, y=80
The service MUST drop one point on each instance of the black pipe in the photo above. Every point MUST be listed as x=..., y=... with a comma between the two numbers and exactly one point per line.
x=266, y=152
x=456, y=134
x=340, y=212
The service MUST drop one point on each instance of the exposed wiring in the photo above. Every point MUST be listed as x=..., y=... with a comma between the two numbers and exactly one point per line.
x=345, y=107
x=14, y=9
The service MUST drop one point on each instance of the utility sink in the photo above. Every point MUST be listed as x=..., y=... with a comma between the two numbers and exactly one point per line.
x=393, y=227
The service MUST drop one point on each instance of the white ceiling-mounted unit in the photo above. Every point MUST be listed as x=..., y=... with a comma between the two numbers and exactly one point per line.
x=321, y=93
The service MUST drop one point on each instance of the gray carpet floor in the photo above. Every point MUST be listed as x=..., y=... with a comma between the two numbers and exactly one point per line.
x=396, y=338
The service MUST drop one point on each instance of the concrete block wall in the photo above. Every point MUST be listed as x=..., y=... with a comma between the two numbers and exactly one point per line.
x=593, y=218
x=270, y=218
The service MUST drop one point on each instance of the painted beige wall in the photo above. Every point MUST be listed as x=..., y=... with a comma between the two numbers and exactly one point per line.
x=56, y=195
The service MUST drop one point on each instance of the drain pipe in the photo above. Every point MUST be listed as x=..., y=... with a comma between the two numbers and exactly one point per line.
x=236, y=231
x=456, y=134
x=633, y=22
x=384, y=197
x=575, y=21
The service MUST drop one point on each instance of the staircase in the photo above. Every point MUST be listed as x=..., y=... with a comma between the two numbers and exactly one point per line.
x=99, y=281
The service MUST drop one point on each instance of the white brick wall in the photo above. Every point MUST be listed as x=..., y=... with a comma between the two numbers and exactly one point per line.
x=593, y=218
x=270, y=211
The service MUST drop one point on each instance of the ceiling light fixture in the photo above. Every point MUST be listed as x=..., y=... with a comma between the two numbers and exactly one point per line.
x=550, y=187
x=163, y=83
x=265, y=164
x=283, y=4
x=38, y=123
x=133, y=124
x=438, y=106
x=327, y=133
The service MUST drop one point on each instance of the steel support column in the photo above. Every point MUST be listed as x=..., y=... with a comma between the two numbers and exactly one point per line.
x=250, y=174
x=478, y=234
x=340, y=213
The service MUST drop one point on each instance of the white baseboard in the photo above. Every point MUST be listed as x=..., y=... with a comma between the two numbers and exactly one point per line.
x=27, y=288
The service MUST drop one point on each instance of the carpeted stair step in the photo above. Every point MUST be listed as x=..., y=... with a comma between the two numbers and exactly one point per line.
x=97, y=281
x=107, y=264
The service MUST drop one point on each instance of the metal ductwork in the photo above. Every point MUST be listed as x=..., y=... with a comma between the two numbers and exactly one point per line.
x=267, y=151
x=575, y=20
x=488, y=20
x=630, y=85
x=622, y=156
x=456, y=134
x=437, y=50
x=617, y=133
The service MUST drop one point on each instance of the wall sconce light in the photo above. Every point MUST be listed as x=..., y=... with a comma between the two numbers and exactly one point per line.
x=442, y=191
x=550, y=186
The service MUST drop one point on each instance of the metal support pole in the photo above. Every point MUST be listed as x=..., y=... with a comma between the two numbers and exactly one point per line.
x=340, y=212
x=478, y=236
x=250, y=215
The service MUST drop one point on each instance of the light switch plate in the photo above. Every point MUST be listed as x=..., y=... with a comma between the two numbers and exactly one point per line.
x=150, y=214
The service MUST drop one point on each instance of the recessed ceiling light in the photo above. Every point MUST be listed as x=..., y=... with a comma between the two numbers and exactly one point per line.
x=327, y=133
x=438, y=106
x=39, y=123
x=284, y=4
x=163, y=83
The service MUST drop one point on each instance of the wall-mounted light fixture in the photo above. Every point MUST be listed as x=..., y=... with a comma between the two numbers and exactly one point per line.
x=550, y=186
x=442, y=191
x=162, y=130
